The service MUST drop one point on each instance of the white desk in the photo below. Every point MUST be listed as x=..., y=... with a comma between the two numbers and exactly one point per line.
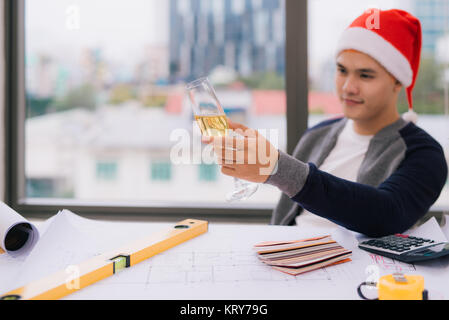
x=221, y=265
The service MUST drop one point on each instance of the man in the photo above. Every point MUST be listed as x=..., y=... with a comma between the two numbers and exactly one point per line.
x=378, y=173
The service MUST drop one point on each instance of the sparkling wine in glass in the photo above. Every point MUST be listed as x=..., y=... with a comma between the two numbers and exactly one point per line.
x=213, y=122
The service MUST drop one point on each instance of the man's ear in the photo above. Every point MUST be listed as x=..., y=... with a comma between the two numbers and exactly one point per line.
x=398, y=86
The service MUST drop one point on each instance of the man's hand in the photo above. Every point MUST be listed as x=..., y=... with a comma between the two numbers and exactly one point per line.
x=249, y=157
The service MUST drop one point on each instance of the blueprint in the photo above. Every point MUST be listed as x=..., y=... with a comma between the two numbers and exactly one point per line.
x=220, y=264
x=14, y=226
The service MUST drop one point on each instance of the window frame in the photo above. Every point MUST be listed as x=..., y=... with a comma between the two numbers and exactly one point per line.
x=15, y=114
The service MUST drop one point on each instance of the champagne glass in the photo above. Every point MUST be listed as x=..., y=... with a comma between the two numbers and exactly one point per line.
x=212, y=121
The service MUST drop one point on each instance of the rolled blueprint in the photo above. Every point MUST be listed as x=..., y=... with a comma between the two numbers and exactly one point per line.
x=17, y=235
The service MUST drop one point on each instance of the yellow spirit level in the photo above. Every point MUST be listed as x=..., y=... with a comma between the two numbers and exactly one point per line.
x=56, y=286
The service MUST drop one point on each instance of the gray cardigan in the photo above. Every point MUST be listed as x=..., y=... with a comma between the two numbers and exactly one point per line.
x=402, y=175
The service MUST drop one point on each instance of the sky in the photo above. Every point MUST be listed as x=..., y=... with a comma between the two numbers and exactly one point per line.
x=328, y=19
x=122, y=28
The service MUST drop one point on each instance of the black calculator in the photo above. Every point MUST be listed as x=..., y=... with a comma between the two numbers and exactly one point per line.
x=406, y=248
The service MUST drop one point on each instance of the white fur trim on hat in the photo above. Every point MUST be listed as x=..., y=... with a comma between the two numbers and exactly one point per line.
x=377, y=47
x=410, y=116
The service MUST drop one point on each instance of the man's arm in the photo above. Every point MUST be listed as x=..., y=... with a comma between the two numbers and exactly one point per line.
x=393, y=207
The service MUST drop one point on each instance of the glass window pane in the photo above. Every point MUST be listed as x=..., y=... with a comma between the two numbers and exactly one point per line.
x=106, y=170
x=208, y=172
x=161, y=171
x=106, y=80
x=431, y=91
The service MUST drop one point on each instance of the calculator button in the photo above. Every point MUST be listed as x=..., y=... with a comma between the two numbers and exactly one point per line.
x=402, y=235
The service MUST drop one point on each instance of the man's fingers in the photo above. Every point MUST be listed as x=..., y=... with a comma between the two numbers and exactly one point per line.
x=235, y=126
x=229, y=143
x=241, y=129
x=231, y=155
x=207, y=140
x=228, y=171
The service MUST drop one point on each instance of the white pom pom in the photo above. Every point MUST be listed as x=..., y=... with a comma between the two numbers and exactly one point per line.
x=410, y=116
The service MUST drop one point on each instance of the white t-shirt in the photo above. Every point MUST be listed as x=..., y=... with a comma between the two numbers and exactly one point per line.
x=344, y=162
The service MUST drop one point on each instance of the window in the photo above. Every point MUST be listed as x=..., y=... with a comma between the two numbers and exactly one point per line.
x=93, y=86
x=161, y=171
x=47, y=188
x=207, y=172
x=87, y=89
x=106, y=170
x=431, y=90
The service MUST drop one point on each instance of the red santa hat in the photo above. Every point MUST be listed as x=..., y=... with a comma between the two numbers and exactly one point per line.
x=394, y=39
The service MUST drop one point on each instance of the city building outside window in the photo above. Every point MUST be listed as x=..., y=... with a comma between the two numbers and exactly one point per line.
x=109, y=77
x=161, y=171
x=106, y=170
x=207, y=172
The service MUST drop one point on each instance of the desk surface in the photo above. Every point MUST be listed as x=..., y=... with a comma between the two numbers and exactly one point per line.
x=222, y=265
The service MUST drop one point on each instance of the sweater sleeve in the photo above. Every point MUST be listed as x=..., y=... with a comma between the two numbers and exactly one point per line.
x=393, y=207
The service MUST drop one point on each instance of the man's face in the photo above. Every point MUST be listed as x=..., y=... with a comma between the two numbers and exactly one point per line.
x=364, y=87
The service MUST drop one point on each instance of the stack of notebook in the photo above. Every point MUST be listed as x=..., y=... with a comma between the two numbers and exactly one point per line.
x=299, y=256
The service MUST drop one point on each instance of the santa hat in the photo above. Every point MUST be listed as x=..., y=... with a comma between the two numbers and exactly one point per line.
x=394, y=39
